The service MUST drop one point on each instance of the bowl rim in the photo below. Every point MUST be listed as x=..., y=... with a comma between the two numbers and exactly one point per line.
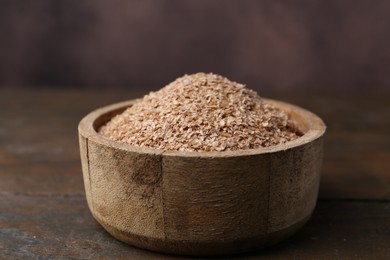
x=86, y=128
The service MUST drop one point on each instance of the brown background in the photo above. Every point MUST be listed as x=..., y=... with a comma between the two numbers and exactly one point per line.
x=278, y=44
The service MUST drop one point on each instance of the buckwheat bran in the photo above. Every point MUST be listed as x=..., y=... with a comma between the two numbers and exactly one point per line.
x=202, y=112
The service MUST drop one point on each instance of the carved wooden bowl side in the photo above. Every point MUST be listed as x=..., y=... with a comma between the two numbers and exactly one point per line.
x=201, y=203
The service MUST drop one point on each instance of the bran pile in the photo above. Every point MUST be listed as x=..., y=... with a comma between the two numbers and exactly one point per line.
x=202, y=112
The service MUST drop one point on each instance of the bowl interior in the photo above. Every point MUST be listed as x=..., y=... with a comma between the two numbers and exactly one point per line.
x=308, y=123
x=104, y=118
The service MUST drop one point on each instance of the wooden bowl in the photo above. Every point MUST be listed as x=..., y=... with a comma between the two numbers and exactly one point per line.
x=201, y=203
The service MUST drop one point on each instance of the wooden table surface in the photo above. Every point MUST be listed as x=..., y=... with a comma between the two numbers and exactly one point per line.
x=44, y=214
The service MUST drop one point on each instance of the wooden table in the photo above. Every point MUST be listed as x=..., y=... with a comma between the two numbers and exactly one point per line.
x=43, y=211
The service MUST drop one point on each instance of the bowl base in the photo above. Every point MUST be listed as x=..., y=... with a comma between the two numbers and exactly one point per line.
x=204, y=248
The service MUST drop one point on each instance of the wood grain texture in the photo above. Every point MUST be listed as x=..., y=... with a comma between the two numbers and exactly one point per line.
x=201, y=203
x=42, y=193
x=294, y=184
x=210, y=198
x=215, y=205
x=126, y=190
x=62, y=227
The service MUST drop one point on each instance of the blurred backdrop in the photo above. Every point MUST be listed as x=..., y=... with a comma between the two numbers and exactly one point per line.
x=280, y=45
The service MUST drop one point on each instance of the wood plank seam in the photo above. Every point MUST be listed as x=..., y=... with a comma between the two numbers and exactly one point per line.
x=269, y=195
x=89, y=173
x=162, y=195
